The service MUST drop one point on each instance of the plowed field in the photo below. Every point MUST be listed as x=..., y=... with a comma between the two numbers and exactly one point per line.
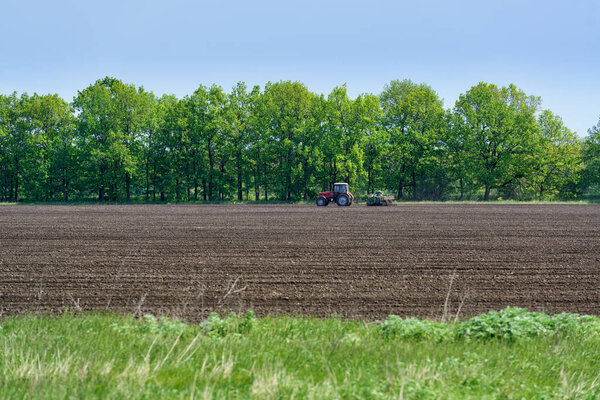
x=368, y=262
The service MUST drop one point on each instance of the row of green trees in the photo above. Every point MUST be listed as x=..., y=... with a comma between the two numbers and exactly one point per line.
x=118, y=142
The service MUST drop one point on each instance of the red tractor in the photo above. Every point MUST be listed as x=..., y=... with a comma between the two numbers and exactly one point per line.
x=340, y=194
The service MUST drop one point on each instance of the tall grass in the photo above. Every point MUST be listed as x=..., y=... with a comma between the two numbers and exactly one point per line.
x=510, y=354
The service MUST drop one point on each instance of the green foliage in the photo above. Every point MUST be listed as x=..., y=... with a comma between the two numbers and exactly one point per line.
x=591, y=157
x=558, y=160
x=217, y=326
x=517, y=323
x=118, y=142
x=111, y=117
x=498, y=128
x=165, y=324
x=510, y=324
x=413, y=328
x=151, y=324
x=414, y=119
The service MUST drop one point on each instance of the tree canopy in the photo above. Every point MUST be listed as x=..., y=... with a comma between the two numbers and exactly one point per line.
x=119, y=142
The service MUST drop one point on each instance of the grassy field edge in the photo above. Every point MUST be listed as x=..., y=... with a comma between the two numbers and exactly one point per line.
x=508, y=354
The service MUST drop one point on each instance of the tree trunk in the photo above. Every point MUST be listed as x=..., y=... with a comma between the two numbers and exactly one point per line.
x=256, y=187
x=486, y=197
x=11, y=191
x=128, y=185
x=147, y=181
x=64, y=190
x=334, y=171
x=16, y=187
x=64, y=185
x=211, y=163
x=50, y=189
x=147, y=174
x=101, y=194
x=195, y=166
x=239, y=185
x=462, y=190
x=414, y=185
x=221, y=187
x=288, y=177
x=154, y=180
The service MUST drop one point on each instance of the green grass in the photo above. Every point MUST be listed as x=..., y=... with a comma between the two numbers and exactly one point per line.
x=508, y=355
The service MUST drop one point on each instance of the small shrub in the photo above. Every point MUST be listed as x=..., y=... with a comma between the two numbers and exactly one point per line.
x=565, y=323
x=589, y=326
x=172, y=326
x=151, y=324
x=575, y=324
x=351, y=339
x=164, y=325
x=214, y=325
x=514, y=323
x=247, y=322
x=413, y=328
x=508, y=324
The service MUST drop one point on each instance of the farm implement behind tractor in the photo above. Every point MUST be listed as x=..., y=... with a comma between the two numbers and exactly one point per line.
x=378, y=199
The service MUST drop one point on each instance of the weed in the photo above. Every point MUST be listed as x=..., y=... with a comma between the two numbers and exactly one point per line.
x=413, y=328
x=214, y=325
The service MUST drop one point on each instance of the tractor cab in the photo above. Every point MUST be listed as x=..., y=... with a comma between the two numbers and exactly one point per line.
x=340, y=188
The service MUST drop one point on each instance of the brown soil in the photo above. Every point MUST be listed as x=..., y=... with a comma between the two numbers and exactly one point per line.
x=355, y=261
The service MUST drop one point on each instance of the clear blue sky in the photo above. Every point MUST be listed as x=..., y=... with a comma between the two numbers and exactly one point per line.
x=547, y=48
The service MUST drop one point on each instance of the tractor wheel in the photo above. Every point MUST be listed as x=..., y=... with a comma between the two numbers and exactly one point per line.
x=343, y=200
x=322, y=201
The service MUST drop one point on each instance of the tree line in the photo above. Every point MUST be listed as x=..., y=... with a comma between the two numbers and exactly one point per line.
x=119, y=142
